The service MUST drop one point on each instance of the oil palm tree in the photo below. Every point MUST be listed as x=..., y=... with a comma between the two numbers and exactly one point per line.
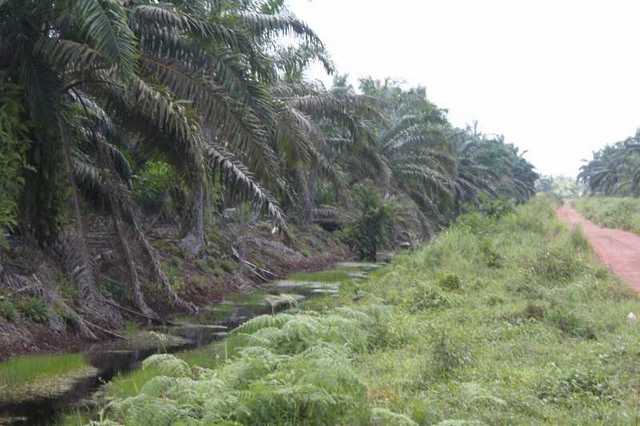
x=188, y=79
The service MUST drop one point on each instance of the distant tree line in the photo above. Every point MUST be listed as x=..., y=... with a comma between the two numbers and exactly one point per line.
x=564, y=187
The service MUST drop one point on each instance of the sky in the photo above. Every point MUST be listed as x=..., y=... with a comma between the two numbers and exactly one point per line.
x=558, y=78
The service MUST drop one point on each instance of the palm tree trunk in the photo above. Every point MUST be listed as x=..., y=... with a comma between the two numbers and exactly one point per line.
x=307, y=197
x=194, y=242
x=161, y=277
x=72, y=246
x=134, y=281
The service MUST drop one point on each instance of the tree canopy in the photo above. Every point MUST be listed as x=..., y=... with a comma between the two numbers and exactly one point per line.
x=614, y=169
x=106, y=103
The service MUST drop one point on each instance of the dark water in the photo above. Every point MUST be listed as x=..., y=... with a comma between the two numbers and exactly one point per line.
x=115, y=358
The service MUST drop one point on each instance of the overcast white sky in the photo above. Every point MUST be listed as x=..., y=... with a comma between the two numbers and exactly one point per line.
x=559, y=78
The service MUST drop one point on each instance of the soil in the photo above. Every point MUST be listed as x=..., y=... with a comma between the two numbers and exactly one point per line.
x=204, y=280
x=618, y=250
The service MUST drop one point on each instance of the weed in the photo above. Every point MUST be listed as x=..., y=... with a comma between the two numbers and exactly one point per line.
x=373, y=226
x=494, y=300
x=8, y=310
x=492, y=258
x=526, y=289
x=448, y=355
x=533, y=311
x=578, y=240
x=114, y=288
x=496, y=208
x=425, y=297
x=561, y=388
x=555, y=265
x=422, y=352
x=227, y=266
x=571, y=324
x=449, y=281
x=612, y=212
x=29, y=368
x=34, y=309
x=203, y=265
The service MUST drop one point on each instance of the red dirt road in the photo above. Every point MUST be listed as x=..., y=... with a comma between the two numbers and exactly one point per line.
x=619, y=250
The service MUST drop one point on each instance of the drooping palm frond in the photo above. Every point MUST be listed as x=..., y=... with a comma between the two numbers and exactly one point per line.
x=146, y=18
x=261, y=25
x=233, y=121
x=105, y=24
x=239, y=179
x=68, y=56
x=293, y=60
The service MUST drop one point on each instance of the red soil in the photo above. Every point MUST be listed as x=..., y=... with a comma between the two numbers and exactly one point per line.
x=619, y=250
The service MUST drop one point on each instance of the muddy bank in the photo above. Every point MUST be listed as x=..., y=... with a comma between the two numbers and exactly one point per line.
x=47, y=398
x=238, y=259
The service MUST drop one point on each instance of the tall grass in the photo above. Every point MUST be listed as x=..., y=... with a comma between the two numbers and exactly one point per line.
x=23, y=370
x=503, y=321
x=612, y=212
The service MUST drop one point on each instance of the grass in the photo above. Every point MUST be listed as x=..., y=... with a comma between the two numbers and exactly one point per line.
x=612, y=212
x=505, y=322
x=212, y=356
x=26, y=369
x=333, y=276
x=40, y=376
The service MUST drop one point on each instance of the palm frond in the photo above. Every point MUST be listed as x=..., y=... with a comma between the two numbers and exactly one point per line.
x=69, y=56
x=105, y=24
x=237, y=176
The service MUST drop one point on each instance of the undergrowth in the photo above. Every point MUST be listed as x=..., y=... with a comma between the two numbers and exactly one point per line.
x=612, y=212
x=30, y=368
x=498, y=321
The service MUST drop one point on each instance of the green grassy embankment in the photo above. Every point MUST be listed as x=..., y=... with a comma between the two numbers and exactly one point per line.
x=507, y=321
x=611, y=212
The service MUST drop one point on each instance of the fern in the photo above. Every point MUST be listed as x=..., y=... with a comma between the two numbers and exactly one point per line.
x=297, y=369
x=384, y=417
x=263, y=321
x=167, y=365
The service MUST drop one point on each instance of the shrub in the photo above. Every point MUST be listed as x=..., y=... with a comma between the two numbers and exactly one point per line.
x=372, y=227
x=578, y=240
x=34, y=309
x=496, y=207
x=556, y=264
x=114, y=288
x=531, y=312
x=559, y=388
x=8, y=310
x=449, y=282
x=227, y=266
x=570, y=324
x=294, y=369
x=476, y=223
x=448, y=355
x=424, y=296
x=153, y=184
x=492, y=258
x=13, y=148
x=612, y=212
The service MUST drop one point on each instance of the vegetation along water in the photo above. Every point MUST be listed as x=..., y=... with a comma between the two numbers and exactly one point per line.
x=193, y=231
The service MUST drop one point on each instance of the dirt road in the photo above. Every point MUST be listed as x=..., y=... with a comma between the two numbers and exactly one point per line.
x=619, y=250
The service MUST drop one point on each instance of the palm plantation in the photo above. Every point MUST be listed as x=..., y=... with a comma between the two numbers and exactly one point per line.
x=614, y=170
x=148, y=149
x=94, y=90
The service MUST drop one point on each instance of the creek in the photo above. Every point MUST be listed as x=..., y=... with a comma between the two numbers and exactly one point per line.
x=47, y=389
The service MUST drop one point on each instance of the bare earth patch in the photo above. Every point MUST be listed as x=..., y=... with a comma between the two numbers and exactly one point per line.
x=619, y=250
